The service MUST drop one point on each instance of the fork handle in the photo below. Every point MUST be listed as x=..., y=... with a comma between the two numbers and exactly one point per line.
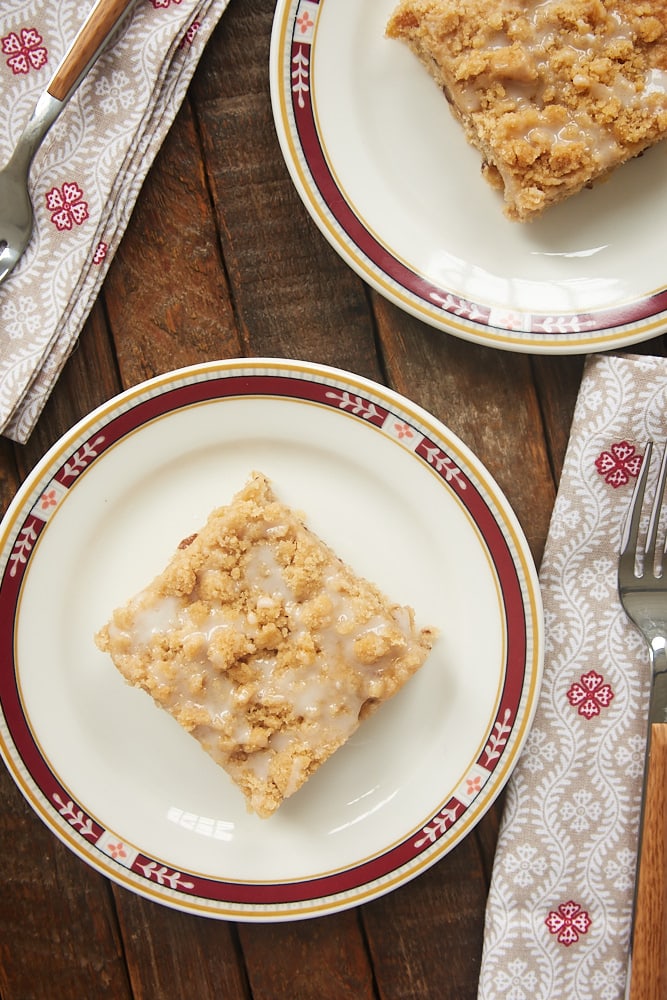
x=648, y=974
x=86, y=46
x=76, y=62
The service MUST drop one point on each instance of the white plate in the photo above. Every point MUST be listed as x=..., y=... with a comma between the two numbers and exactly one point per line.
x=397, y=496
x=386, y=173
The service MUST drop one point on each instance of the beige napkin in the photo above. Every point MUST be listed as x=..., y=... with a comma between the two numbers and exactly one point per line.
x=86, y=177
x=559, y=910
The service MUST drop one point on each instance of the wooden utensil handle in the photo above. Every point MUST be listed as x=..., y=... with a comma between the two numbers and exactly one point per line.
x=88, y=42
x=649, y=951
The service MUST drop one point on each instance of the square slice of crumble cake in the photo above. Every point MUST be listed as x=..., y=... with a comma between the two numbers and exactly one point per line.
x=555, y=94
x=264, y=645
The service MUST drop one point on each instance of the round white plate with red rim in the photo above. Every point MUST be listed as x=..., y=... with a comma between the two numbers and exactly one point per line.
x=398, y=497
x=387, y=175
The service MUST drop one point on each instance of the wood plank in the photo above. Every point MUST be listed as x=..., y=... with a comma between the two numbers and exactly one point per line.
x=58, y=908
x=320, y=959
x=486, y=834
x=172, y=954
x=649, y=947
x=293, y=295
x=557, y=380
x=426, y=938
x=235, y=61
x=166, y=294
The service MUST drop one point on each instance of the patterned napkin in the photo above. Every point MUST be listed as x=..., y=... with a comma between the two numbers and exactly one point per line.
x=86, y=177
x=559, y=910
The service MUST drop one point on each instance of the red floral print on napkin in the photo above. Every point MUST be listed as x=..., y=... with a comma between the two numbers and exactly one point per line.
x=25, y=50
x=190, y=34
x=101, y=251
x=163, y=4
x=590, y=694
x=617, y=465
x=67, y=206
x=568, y=922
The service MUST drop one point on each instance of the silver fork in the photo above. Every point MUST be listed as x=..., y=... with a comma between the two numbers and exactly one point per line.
x=16, y=212
x=642, y=587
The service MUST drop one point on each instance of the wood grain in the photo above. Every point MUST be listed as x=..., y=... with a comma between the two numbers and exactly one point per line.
x=426, y=938
x=94, y=32
x=58, y=928
x=649, y=949
x=166, y=293
x=320, y=959
x=170, y=954
x=292, y=294
x=557, y=383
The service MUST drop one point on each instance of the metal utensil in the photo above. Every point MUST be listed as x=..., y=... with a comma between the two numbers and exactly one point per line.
x=16, y=213
x=642, y=587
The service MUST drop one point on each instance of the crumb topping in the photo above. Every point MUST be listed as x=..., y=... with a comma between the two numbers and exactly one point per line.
x=555, y=93
x=264, y=645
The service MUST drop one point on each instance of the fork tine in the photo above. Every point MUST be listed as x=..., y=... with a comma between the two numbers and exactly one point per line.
x=652, y=535
x=631, y=528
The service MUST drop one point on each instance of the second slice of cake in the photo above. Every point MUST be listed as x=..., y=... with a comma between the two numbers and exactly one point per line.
x=264, y=645
x=555, y=94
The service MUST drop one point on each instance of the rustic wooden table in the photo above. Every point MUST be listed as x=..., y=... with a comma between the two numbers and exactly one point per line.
x=221, y=260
